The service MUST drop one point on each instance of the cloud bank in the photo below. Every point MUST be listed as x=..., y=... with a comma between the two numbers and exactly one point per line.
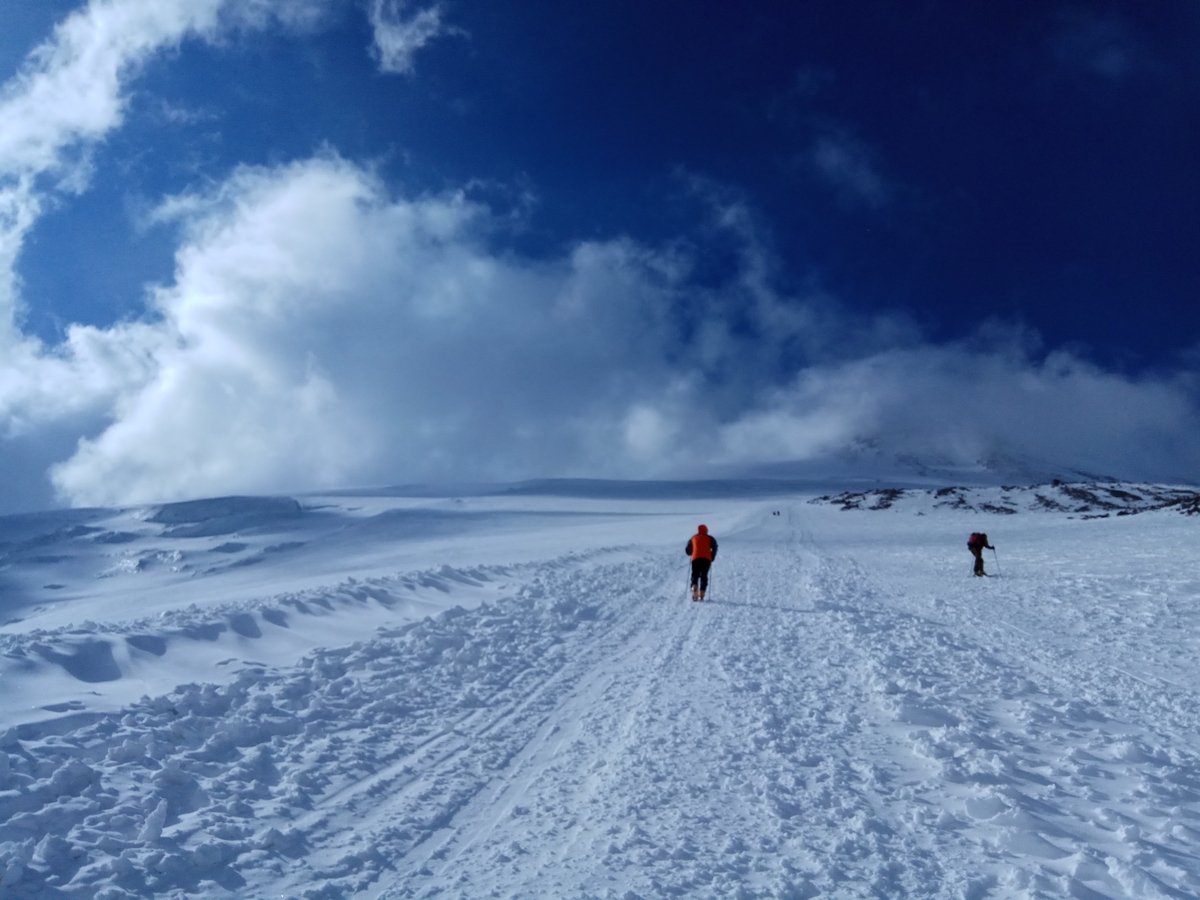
x=322, y=330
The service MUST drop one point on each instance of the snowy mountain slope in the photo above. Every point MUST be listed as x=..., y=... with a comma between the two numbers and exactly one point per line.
x=161, y=558
x=98, y=607
x=1089, y=500
x=851, y=715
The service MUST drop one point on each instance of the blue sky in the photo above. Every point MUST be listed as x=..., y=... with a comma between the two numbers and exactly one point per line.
x=252, y=245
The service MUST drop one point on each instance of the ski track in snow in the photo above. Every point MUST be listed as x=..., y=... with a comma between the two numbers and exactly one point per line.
x=816, y=728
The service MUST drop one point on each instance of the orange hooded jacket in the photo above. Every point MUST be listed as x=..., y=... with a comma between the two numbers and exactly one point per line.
x=702, y=545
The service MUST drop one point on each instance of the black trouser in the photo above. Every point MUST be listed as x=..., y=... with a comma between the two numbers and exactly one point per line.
x=978, y=551
x=700, y=573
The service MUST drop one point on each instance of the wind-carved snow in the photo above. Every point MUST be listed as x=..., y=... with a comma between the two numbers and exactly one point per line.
x=848, y=714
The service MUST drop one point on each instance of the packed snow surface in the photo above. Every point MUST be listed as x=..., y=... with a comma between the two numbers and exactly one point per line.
x=377, y=696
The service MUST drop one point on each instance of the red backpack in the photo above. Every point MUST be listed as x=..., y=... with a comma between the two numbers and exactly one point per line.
x=976, y=540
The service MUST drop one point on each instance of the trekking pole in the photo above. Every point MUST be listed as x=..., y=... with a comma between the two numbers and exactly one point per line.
x=997, y=561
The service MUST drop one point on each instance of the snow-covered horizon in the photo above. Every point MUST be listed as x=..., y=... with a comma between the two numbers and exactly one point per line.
x=505, y=692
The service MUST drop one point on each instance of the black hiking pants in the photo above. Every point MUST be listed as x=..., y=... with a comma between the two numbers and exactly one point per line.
x=978, y=552
x=700, y=573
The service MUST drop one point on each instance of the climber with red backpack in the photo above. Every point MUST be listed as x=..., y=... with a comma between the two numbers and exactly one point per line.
x=702, y=548
x=977, y=543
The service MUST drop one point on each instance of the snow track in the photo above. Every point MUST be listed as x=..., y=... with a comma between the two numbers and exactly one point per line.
x=811, y=730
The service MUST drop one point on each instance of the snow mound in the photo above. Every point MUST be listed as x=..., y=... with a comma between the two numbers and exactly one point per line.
x=224, y=515
x=100, y=667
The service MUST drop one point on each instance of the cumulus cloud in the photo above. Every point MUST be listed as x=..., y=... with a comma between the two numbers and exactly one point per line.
x=320, y=331
x=398, y=38
x=69, y=95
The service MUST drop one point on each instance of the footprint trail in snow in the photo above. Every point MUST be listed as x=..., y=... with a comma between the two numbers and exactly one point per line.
x=812, y=730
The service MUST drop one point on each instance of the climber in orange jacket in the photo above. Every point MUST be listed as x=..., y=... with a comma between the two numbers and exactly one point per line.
x=702, y=548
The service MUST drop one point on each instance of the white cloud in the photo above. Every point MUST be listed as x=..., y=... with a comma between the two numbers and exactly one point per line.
x=66, y=96
x=966, y=404
x=397, y=39
x=321, y=332
x=295, y=15
x=849, y=166
x=69, y=94
x=69, y=91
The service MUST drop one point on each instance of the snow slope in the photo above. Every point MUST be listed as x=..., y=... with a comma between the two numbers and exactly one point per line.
x=511, y=696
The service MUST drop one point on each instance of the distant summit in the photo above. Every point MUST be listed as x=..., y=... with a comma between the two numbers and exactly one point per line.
x=867, y=461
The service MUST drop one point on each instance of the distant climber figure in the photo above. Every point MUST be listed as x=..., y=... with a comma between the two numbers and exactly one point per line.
x=702, y=548
x=977, y=543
